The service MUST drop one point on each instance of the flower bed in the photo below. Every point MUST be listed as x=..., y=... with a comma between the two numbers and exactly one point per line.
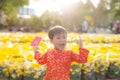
x=17, y=57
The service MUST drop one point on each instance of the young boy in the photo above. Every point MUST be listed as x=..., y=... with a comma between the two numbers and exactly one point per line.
x=58, y=60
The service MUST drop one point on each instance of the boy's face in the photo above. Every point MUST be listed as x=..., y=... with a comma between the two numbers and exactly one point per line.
x=59, y=41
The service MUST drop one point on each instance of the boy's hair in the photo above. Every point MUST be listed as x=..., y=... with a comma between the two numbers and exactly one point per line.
x=56, y=30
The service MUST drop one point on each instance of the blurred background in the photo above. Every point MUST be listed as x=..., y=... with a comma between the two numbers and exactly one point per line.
x=38, y=15
x=96, y=21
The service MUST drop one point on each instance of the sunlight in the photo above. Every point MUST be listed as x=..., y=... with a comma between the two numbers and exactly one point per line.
x=53, y=5
x=41, y=6
x=95, y=2
x=57, y=5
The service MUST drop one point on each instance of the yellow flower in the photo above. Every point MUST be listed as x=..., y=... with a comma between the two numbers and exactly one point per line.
x=13, y=76
x=117, y=64
x=76, y=70
x=90, y=58
x=116, y=73
x=35, y=65
x=103, y=62
x=7, y=73
x=87, y=64
x=88, y=70
x=102, y=69
x=103, y=73
x=27, y=72
x=96, y=70
x=30, y=57
x=92, y=67
x=10, y=69
x=21, y=73
x=5, y=70
x=37, y=75
x=85, y=72
x=74, y=63
x=73, y=72
x=1, y=63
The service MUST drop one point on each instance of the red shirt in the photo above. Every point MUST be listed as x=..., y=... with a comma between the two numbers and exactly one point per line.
x=58, y=62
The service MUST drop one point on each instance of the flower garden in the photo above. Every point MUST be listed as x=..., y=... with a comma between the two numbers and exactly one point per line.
x=17, y=57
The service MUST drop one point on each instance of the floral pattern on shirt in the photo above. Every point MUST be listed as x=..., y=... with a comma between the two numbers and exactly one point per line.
x=58, y=62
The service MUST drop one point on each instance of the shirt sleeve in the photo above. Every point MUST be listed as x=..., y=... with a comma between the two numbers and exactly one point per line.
x=81, y=57
x=41, y=59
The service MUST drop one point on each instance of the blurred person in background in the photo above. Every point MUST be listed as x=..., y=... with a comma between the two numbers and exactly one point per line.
x=85, y=26
x=117, y=27
x=111, y=25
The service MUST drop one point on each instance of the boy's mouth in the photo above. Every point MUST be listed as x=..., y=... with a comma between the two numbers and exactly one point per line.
x=62, y=45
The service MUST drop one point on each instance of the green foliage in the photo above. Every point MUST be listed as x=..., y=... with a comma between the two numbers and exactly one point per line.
x=115, y=7
x=36, y=23
x=75, y=73
x=101, y=14
x=8, y=4
x=71, y=17
x=10, y=8
x=116, y=13
x=114, y=69
x=50, y=18
x=88, y=72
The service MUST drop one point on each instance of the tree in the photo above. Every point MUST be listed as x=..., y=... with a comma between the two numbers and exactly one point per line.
x=8, y=5
x=50, y=19
x=89, y=10
x=10, y=9
x=74, y=15
x=115, y=8
x=36, y=23
x=101, y=14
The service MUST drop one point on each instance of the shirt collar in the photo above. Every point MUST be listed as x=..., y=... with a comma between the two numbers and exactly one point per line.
x=58, y=51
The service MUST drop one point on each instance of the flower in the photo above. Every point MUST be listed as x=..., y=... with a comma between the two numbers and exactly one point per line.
x=36, y=76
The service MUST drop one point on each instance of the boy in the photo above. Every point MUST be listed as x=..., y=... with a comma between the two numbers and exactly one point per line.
x=58, y=60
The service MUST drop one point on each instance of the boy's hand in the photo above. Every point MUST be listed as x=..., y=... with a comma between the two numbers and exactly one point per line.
x=35, y=48
x=81, y=42
x=36, y=42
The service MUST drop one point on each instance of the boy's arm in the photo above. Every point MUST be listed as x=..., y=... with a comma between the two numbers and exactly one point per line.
x=83, y=54
x=40, y=58
x=81, y=57
x=37, y=55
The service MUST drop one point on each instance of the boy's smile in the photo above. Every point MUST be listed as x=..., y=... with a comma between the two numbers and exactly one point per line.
x=59, y=41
